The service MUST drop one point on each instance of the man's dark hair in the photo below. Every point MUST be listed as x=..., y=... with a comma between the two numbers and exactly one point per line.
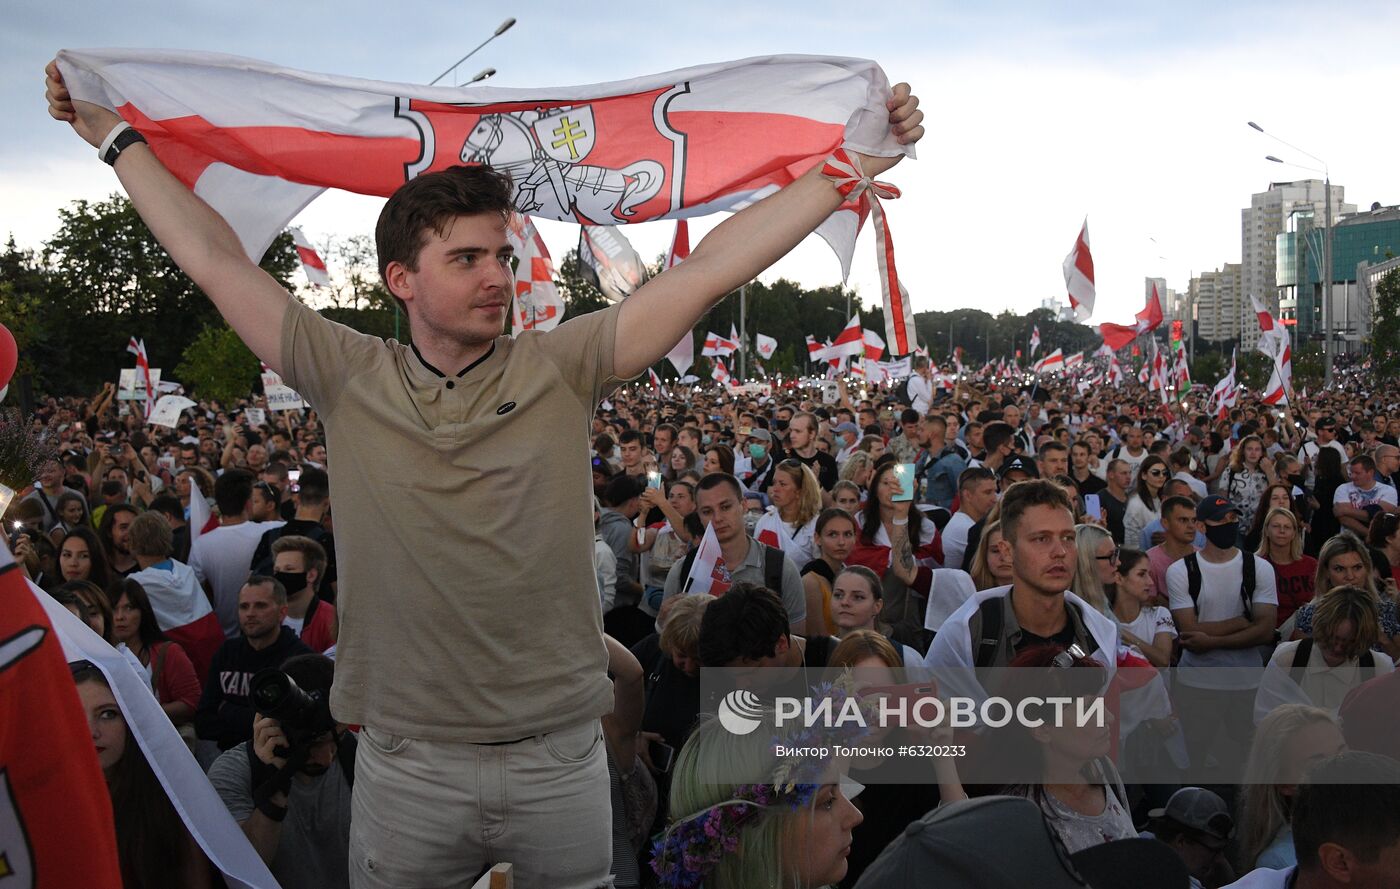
x=716, y=479
x=232, y=491
x=1351, y=799
x=431, y=202
x=974, y=474
x=314, y=486
x=669, y=427
x=936, y=421
x=1172, y=503
x=168, y=504
x=1052, y=446
x=1365, y=462
x=996, y=434
x=630, y=436
x=746, y=622
x=1022, y=496
x=908, y=417
x=620, y=489
x=111, y=488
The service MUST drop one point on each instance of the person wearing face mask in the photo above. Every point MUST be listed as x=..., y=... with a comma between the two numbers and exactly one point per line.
x=299, y=563
x=1224, y=602
x=759, y=474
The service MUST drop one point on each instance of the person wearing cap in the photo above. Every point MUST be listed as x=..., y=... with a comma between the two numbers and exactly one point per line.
x=1346, y=828
x=1326, y=429
x=757, y=471
x=1002, y=842
x=1225, y=612
x=1017, y=469
x=1196, y=825
x=847, y=438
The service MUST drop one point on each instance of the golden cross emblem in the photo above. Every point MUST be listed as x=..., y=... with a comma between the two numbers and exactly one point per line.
x=568, y=133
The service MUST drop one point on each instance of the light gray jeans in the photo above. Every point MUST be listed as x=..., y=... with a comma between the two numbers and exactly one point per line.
x=436, y=814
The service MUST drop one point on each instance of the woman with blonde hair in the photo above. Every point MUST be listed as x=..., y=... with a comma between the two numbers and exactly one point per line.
x=1286, y=742
x=857, y=469
x=1345, y=561
x=1281, y=545
x=1323, y=669
x=791, y=521
x=991, y=566
x=1097, y=567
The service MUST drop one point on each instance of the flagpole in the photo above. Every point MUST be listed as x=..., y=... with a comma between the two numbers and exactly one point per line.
x=743, y=336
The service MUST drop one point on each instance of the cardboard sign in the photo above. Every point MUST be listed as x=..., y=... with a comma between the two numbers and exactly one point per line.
x=168, y=409
x=256, y=416
x=131, y=385
x=279, y=396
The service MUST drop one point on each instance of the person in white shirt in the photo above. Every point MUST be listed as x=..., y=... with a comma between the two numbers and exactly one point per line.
x=847, y=438
x=222, y=558
x=1223, y=619
x=921, y=385
x=977, y=494
x=1363, y=498
x=1326, y=429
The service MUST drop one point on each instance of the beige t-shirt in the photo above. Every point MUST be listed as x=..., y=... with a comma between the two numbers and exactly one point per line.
x=464, y=528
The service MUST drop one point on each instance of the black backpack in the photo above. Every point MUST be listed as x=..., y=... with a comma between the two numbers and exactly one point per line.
x=1193, y=583
x=993, y=614
x=1304, y=653
x=772, y=567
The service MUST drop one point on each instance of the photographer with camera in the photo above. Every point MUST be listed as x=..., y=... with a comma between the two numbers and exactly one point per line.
x=289, y=787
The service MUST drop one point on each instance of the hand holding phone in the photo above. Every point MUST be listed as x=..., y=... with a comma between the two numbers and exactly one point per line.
x=1092, y=506
x=904, y=472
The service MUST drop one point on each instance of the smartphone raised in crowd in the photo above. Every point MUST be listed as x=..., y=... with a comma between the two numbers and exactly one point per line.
x=1091, y=506
x=294, y=480
x=653, y=479
x=904, y=472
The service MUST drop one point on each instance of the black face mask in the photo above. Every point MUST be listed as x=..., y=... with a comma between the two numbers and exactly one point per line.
x=1297, y=480
x=1223, y=536
x=292, y=583
x=780, y=425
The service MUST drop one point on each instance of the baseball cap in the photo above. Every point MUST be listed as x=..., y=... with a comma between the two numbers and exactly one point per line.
x=847, y=427
x=1215, y=508
x=1326, y=423
x=1003, y=842
x=758, y=434
x=1020, y=464
x=1200, y=810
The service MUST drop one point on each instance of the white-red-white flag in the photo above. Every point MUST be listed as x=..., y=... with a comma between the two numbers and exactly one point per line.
x=143, y=364
x=258, y=141
x=1054, y=361
x=311, y=262
x=683, y=355
x=655, y=380
x=766, y=345
x=1079, y=275
x=849, y=343
x=707, y=573
x=538, y=305
x=1115, y=371
x=1035, y=340
x=1073, y=361
x=874, y=346
x=716, y=345
x=721, y=374
x=1273, y=336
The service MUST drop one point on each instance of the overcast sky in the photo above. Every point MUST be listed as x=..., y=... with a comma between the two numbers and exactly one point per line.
x=1039, y=114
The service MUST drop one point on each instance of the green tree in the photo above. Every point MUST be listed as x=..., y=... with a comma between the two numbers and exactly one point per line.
x=109, y=280
x=1385, y=329
x=217, y=365
x=580, y=296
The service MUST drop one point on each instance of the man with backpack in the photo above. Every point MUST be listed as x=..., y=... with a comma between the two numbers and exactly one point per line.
x=994, y=625
x=1224, y=602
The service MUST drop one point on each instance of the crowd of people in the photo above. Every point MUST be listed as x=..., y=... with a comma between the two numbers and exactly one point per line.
x=1085, y=520
x=472, y=678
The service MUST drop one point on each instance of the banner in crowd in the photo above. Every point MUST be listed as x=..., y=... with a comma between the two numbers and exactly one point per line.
x=131, y=383
x=198, y=804
x=766, y=345
x=168, y=409
x=610, y=262
x=259, y=142
x=280, y=397
x=255, y=416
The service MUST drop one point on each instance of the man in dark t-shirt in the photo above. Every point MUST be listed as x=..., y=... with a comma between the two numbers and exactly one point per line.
x=802, y=445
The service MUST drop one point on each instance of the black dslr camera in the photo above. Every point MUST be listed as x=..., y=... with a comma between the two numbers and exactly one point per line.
x=304, y=715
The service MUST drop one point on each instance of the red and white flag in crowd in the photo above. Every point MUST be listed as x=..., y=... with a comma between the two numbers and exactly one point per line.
x=814, y=349
x=52, y=793
x=143, y=364
x=1072, y=361
x=766, y=345
x=258, y=141
x=655, y=381
x=849, y=343
x=1054, y=361
x=1079, y=275
x=1115, y=371
x=311, y=261
x=1035, y=340
x=718, y=345
x=874, y=346
x=1226, y=392
x=1116, y=336
x=707, y=573
x=1273, y=336
x=683, y=355
x=201, y=519
x=538, y=305
x=772, y=530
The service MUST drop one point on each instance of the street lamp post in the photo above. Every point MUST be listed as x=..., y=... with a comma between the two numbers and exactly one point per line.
x=1326, y=244
x=500, y=29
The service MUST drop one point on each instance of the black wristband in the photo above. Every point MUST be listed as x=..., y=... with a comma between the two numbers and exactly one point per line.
x=125, y=139
x=271, y=809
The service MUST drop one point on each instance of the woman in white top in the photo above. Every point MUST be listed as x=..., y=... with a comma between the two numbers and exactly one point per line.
x=1146, y=627
x=797, y=500
x=1095, y=574
x=1320, y=671
x=1145, y=505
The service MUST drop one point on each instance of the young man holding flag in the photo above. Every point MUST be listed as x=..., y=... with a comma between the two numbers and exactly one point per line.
x=430, y=440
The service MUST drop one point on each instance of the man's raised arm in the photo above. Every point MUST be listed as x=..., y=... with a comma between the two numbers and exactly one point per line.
x=653, y=319
x=197, y=238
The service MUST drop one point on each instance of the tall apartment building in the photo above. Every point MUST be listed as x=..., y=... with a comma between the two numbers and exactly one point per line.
x=1267, y=216
x=1220, y=303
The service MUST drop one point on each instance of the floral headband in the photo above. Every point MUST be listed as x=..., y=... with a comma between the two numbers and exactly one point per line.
x=689, y=850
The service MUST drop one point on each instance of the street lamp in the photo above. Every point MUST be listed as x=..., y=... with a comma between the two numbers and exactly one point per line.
x=482, y=75
x=1326, y=244
x=500, y=29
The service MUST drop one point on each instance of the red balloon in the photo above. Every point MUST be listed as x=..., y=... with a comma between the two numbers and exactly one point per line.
x=9, y=356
